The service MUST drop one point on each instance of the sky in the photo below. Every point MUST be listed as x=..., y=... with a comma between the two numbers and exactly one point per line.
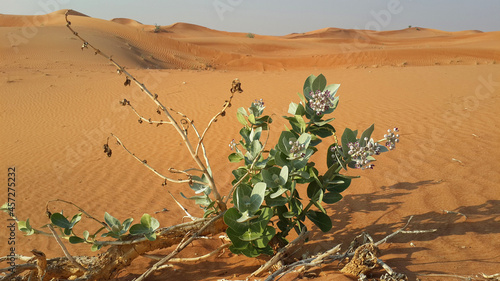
x=281, y=17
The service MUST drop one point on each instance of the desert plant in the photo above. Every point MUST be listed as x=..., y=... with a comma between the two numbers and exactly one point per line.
x=157, y=28
x=266, y=189
x=250, y=35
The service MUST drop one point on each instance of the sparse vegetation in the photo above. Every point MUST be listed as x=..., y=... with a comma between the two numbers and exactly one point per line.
x=250, y=35
x=157, y=28
x=265, y=203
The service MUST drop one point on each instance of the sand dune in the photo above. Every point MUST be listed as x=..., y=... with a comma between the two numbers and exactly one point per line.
x=58, y=104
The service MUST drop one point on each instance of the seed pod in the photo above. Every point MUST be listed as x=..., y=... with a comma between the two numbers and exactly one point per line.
x=140, y=121
x=127, y=82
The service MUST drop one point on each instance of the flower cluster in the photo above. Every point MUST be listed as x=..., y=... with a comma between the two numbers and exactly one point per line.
x=296, y=149
x=391, y=138
x=258, y=104
x=361, y=154
x=232, y=144
x=320, y=101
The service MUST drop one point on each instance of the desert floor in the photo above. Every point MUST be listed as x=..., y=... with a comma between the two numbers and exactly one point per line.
x=59, y=103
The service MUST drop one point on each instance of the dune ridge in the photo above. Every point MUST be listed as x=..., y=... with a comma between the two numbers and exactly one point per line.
x=189, y=46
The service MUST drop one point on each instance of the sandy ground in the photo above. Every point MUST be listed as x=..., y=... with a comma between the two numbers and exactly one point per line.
x=58, y=104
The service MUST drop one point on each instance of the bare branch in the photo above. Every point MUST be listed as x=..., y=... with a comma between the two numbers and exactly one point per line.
x=79, y=209
x=154, y=97
x=179, y=248
x=220, y=248
x=182, y=207
x=226, y=105
x=279, y=255
x=151, y=168
x=65, y=251
x=148, y=120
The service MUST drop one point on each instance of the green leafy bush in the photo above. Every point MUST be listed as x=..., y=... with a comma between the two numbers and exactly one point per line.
x=270, y=185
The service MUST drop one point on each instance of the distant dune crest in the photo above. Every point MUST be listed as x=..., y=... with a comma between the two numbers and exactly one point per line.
x=190, y=46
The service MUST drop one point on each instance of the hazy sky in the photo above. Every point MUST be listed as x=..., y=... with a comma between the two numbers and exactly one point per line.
x=280, y=17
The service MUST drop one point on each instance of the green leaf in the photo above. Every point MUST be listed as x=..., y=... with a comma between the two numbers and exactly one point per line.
x=25, y=227
x=320, y=219
x=231, y=220
x=323, y=122
x=319, y=83
x=125, y=226
x=234, y=237
x=235, y=157
x=266, y=237
x=242, y=197
x=111, y=221
x=76, y=240
x=146, y=221
x=96, y=247
x=332, y=197
x=283, y=175
x=86, y=235
x=241, y=119
x=276, y=201
x=292, y=108
x=314, y=190
x=338, y=184
x=348, y=136
x=305, y=139
x=257, y=196
x=278, y=192
x=366, y=134
x=138, y=229
x=250, y=235
x=150, y=236
x=251, y=119
x=60, y=220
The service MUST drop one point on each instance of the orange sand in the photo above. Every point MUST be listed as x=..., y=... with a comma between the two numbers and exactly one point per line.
x=58, y=104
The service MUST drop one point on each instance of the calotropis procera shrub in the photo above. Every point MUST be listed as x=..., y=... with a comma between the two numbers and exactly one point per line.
x=272, y=185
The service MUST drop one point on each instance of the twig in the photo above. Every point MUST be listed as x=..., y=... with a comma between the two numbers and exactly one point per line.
x=279, y=255
x=151, y=168
x=65, y=251
x=310, y=262
x=17, y=257
x=79, y=209
x=148, y=120
x=401, y=230
x=457, y=160
x=179, y=248
x=493, y=276
x=446, y=275
x=452, y=212
x=221, y=247
x=182, y=207
x=214, y=119
x=18, y=269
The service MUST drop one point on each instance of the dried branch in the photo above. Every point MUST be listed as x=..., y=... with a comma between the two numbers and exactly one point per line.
x=179, y=248
x=227, y=104
x=310, y=262
x=65, y=251
x=141, y=118
x=145, y=163
x=154, y=97
x=279, y=255
x=220, y=248
x=79, y=209
x=182, y=207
